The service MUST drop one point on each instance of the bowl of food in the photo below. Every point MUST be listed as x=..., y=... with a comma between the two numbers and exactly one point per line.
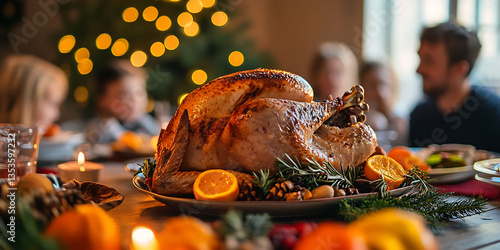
x=59, y=145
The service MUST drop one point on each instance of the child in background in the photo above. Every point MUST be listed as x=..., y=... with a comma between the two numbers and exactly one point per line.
x=31, y=91
x=381, y=89
x=334, y=71
x=121, y=104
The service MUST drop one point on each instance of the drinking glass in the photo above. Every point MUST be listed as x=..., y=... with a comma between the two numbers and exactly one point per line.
x=18, y=151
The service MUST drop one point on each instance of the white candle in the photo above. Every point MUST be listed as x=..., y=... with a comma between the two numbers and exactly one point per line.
x=79, y=170
x=143, y=238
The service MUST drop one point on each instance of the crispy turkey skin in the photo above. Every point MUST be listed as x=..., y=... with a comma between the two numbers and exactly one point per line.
x=244, y=121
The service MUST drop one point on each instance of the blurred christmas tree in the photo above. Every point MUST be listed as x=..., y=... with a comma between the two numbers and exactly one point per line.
x=182, y=44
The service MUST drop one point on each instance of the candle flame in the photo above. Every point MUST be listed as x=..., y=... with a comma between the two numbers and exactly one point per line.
x=81, y=161
x=144, y=238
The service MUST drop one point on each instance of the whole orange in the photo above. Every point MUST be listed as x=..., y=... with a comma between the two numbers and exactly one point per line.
x=86, y=227
x=332, y=235
x=185, y=232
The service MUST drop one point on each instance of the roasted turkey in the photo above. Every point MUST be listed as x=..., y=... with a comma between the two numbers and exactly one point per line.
x=244, y=121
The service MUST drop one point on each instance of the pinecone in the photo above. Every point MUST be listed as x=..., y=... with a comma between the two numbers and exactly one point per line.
x=43, y=206
x=249, y=191
x=286, y=190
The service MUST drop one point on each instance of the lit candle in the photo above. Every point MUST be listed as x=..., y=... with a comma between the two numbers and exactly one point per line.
x=79, y=170
x=144, y=238
x=81, y=161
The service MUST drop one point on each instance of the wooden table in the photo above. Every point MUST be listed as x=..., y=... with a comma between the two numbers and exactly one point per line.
x=475, y=232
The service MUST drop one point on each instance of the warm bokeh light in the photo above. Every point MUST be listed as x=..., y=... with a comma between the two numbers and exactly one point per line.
x=138, y=58
x=185, y=19
x=150, y=13
x=85, y=66
x=207, y=3
x=163, y=23
x=81, y=94
x=199, y=77
x=151, y=105
x=66, y=43
x=192, y=30
x=154, y=142
x=103, y=41
x=144, y=238
x=130, y=14
x=236, y=58
x=194, y=6
x=120, y=47
x=82, y=53
x=171, y=42
x=219, y=18
x=157, y=49
x=181, y=98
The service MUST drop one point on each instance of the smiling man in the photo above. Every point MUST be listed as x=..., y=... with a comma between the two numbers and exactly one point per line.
x=454, y=111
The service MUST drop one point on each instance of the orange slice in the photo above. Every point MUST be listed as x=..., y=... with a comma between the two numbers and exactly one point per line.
x=216, y=185
x=379, y=165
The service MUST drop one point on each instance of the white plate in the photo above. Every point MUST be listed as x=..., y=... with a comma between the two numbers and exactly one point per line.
x=489, y=179
x=274, y=208
x=490, y=166
x=451, y=175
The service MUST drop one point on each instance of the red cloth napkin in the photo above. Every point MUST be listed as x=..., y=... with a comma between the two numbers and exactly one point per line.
x=471, y=187
x=47, y=171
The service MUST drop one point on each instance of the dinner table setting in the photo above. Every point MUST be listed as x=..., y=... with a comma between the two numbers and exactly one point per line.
x=267, y=173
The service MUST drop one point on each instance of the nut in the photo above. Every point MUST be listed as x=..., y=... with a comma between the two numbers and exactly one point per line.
x=339, y=192
x=324, y=191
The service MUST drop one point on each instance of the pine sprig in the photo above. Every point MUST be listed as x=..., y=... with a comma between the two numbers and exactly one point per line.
x=253, y=226
x=433, y=206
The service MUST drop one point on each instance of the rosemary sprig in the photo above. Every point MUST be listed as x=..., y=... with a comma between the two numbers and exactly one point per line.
x=250, y=227
x=419, y=179
x=147, y=168
x=264, y=181
x=314, y=174
x=381, y=186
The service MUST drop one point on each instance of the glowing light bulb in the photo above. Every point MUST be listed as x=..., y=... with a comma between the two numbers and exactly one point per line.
x=236, y=58
x=138, y=58
x=120, y=47
x=194, y=6
x=219, y=18
x=82, y=53
x=171, y=42
x=163, y=23
x=130, y=14
x=181, y=98
x=185, y=19
x=81, y=94
x=157, y=49
x=85, y=66
x=199, y=77
x=150, y=13
x=192, y=30
x=66, y=43
x=103, y=41
x=207, y=3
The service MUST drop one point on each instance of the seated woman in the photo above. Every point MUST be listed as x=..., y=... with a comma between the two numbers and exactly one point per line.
x=381, y=90
x=32, y=91
x=334, y=71
x=121, y=104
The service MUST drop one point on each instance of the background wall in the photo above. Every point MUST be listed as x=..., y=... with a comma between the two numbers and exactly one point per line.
x=292, y=30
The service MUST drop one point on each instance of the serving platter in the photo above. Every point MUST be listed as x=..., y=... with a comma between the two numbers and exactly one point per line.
x=273, y=208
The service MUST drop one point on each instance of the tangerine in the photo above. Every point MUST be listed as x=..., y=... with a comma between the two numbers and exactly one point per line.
x=332, y=235
x=86, y=227
x=186, y=232
x=404, y=156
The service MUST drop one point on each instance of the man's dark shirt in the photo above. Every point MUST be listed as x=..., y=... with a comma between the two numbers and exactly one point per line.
x=476, y=122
